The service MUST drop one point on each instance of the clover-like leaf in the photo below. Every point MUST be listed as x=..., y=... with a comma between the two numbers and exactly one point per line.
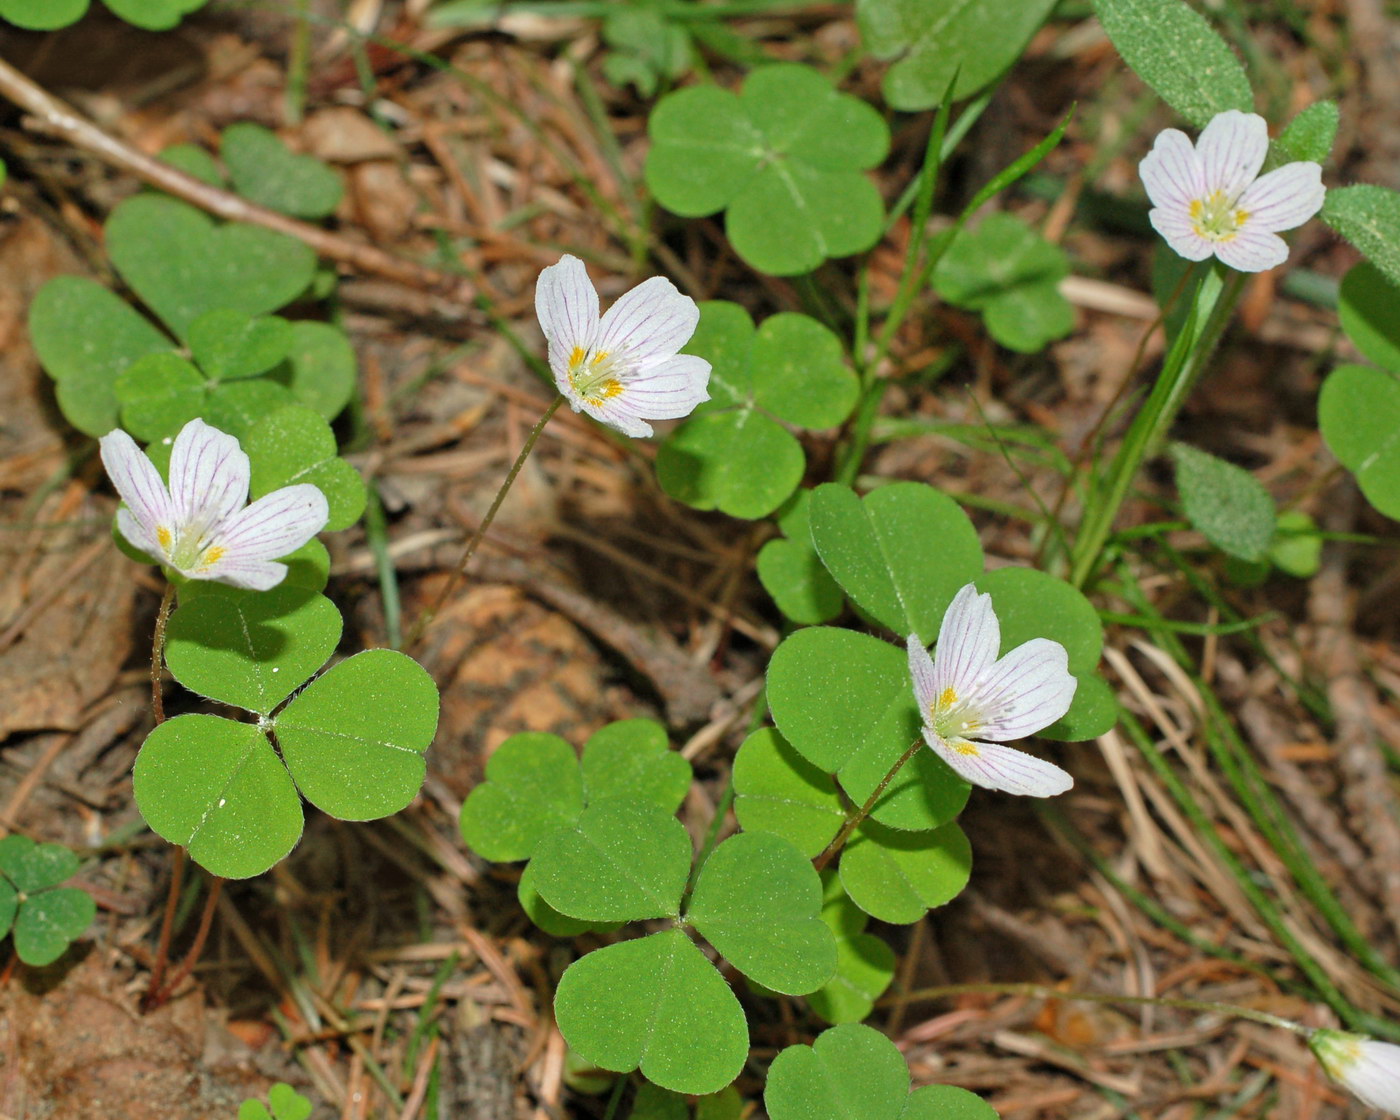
x=898, y=877
x=159, y=394
x=864, y=969
x=153, y=15
x=654, y=1004
x=846, y=704
x=1032, y=604
x=42, y=15
x=1297, y=544
x=1011, y=274
x=946, y=1102
x=228, y=344
x=252, y=649
x=354, y=738
x=1176, y=52
x=35, y=867
x=1369, y=217
x=724, y=1105
x=86, y=336
x=9, y=903
x=934, y=40
x=793, y=574
x=218, y=788
x=286, y=1104
x=901, y=553
x=1358, y=412
x=785, y=157
x=50, y=921
x=320, y=368
x=294, y=444
x=778, y=791
x=1366, y=306
x=1225, y=502
x=196, y=162
x=758, y=902
x=532, y=788
x=622, y=860
x=182, y=264
x=739, y=462
x=308, y=567
x=265, y=171
x=850, y=1071
x=655, y=1103
x=545, y=916
x=632, y=758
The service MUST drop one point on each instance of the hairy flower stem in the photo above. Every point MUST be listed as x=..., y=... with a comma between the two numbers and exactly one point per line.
x=852, y=823
x=156, y=995
x=1039, y=991
x=158, y=651
x=429, y=613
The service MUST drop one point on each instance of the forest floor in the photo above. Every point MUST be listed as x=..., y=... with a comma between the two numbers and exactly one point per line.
x=380, y=953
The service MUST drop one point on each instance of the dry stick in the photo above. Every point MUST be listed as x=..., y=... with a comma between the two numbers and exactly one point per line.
x=429, y=613
x=853, y=822
x=52, y=117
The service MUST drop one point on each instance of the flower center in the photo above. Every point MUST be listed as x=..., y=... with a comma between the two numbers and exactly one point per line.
x=597, y=376
x=192, y=551
x=1216, y=217
x=953, y=718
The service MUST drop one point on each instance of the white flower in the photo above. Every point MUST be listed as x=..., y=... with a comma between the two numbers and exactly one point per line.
x=200, y=526
x=1363, y=1066
x=623, y=369
x=1211, y=198
x=967, y=696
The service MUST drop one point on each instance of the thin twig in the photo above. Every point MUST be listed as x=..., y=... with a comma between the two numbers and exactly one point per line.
x=52, y=117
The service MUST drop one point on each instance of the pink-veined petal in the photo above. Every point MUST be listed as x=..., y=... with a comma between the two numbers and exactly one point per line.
x=1253, y=250
x=1028, y=689
x=968, y=641
x=1232, y=148
x=209, y=475
x=139, y=537
x=1368, y=1068
x=273, y=526
x=1171, y=171
x=139, y=484
x=921, y=672
x=252, y=575
x=1285, y=198
x=993, y=766
x=670, y=389
x=566, y=304
x=1175, y=226
x=649, y=323
x=615, y=414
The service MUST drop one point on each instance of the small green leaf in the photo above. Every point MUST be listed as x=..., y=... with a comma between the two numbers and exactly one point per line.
x=50, y=921
x=793, y=575
x=354, y=738
x=532, y=788
x=1176, y=52
x=1358, y=412
x=621, y=861
x=656, y=1103
x=308, y=567
x=219, y=789
x=1368, y=217
x=42, y=15
x=544, y=915
x=182, y=264
x=264, y=171
x=35, y=867
x=1297, y=547
x=933, y=41
x=800, y=373
x=654, y=1004
x=153, y=15
x=252, y=649
x=864, y=969
x=851, y=1071
x=846, y=704
x=228, y=345
x=1011, y=274
x=898, y=877
x=1093, y=712
x=194, y=161
x=1366, y=306
x=901, y=554
x=778, y=791
x=845, y=918
x=1309, y=136
x=159, y=395
x=1225, y=502
x=320, y=368
x=293, y=445
x=287, y=1103
x=632, y=758
x=946, y=1102
x=785, y=157
x=738, y=462
x=724, y=1105
x=758, y=902
x=86, y=337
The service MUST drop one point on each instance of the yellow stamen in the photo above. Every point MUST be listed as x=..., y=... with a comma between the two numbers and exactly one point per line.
x=164, y=537
x=965, y=746
x=1216, y=218
x=211, y=557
